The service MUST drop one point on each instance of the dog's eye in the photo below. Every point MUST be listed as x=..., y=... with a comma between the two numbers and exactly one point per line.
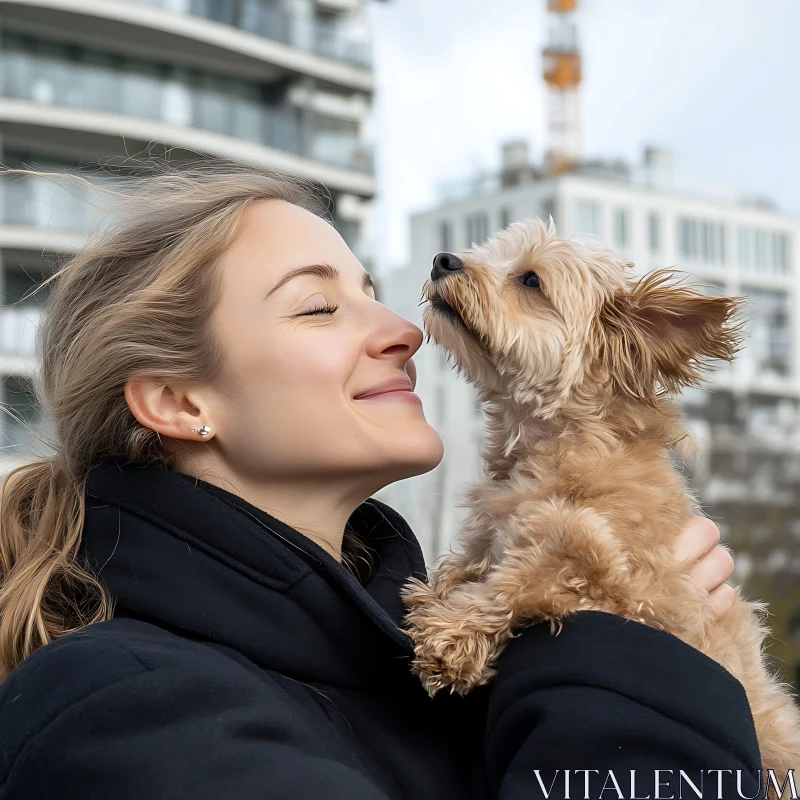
x=531, y=280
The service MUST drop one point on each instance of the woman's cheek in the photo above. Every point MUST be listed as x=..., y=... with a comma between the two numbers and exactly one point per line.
x=330, y=364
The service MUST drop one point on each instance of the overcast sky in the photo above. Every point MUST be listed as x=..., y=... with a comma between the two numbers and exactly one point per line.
x=715, y=81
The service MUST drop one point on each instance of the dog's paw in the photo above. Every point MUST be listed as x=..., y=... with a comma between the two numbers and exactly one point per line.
x=457, y=660
x=455, y=648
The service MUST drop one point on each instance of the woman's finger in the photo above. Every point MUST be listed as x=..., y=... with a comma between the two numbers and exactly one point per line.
x=722, y=599
x=713, y=569
x=708, y=562
x=699, y=537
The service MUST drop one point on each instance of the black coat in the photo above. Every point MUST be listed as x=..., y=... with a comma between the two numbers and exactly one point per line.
x=244, y=662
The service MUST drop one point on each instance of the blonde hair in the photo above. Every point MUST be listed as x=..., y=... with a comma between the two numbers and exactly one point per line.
x=136, y=297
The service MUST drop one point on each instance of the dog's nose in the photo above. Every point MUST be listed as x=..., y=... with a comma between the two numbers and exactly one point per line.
x=444, y=264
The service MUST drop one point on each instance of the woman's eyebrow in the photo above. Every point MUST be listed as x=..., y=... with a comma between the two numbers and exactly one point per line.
x=325, y=271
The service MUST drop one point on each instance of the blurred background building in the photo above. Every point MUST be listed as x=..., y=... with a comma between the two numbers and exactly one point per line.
x=730, y=245
x=282, y=82
x=745, y=422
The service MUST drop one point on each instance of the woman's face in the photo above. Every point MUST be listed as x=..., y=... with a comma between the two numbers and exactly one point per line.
x=301, y=347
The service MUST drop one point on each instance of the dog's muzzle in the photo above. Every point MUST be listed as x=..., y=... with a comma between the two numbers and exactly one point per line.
x=445, y=264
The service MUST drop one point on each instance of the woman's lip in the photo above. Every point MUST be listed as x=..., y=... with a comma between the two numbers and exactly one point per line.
x=395, y=385
x=393, y=394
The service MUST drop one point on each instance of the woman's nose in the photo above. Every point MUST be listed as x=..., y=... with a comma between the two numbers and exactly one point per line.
x=395, y=336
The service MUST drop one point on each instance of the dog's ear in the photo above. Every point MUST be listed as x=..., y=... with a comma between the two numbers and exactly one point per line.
x=658, y=332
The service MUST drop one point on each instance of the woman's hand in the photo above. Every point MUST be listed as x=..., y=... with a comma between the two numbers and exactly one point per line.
x=712, y=562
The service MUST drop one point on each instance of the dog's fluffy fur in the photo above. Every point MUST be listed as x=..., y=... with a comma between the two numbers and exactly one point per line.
x=582, y=504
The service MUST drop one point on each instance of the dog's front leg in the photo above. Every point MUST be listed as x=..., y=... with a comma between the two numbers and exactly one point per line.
x=560, y=559
x=457, y=639
x=457, y=569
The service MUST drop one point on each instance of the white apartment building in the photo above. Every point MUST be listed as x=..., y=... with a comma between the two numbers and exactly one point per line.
x=747, y=429
x=286, y=83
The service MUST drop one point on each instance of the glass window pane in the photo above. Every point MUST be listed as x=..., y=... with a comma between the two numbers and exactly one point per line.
x=101, y=81
x=140, y=89
x=335, y=141
x=20, y=282
x=761, y=250
x=19, y=413
x=744, y=247
x=212, y=104
x=768, y=348
x=654, y=232
x=18, y=69
x=621, y=227
x=588, y=217
x=246, y=110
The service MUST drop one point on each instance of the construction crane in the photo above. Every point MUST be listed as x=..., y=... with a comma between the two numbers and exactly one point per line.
x=562, y=74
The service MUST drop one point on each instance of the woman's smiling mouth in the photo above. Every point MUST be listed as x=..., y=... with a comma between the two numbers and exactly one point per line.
x=395, y=389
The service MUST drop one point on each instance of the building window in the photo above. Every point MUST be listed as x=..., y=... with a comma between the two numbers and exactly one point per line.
x=23, y=285
x=766, y=252
x=445, y=236
x=768, y=348
x=745, y=248
x=588, y=217
x=505, y=217
x=21, y=414
x=477, y=227
x=654, y=232
x=780, y=253
x=687, y=232
x=761, y=240
x=621, y=227
x=42, y=203
x=701, y=240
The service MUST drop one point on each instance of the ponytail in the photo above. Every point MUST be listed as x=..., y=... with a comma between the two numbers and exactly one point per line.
x=44, y=591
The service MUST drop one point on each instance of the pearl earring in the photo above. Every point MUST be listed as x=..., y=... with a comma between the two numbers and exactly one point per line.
x=204, y=431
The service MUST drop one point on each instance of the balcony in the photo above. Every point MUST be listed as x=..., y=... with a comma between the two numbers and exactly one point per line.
x=324, y=37
x=55, y=75
x=38, y=203
x=36, y=206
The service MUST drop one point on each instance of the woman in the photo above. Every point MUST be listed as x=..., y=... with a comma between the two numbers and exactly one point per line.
x=200, y=599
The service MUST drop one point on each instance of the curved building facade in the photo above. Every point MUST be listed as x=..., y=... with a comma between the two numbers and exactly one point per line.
x=281, y=82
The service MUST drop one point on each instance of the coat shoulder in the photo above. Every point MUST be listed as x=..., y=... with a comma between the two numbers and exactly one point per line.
x=130, y=710
x=96, y=656
x=71, y=669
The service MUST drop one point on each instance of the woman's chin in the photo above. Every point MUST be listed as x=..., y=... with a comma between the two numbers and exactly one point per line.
x=415, y=451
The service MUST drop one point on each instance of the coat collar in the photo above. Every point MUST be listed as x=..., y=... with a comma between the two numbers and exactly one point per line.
x=190, y=556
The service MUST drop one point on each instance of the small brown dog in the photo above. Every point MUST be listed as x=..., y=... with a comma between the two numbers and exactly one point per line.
x=581, y=505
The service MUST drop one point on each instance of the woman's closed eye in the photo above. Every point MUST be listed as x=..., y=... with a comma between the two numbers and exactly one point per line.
x=322, y=309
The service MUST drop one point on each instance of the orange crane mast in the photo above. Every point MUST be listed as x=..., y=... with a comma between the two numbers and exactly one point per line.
x=562, y=74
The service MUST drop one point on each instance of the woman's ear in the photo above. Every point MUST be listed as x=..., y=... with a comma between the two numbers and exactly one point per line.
x=659, y=332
